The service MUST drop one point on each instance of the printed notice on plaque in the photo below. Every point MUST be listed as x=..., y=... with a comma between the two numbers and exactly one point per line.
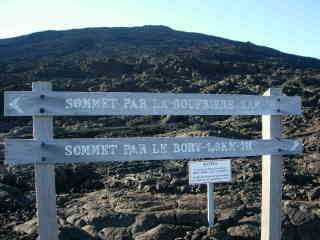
x=212, y=171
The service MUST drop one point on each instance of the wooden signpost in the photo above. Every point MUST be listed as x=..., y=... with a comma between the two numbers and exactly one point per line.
x=42, y=104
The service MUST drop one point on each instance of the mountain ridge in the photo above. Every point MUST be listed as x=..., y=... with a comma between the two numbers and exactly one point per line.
x=89, y=41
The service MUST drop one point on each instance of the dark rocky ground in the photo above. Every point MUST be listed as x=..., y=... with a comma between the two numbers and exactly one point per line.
x=152, y=200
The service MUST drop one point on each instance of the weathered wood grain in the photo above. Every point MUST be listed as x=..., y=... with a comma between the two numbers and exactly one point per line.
x=45, y=176
x=21, y=151
x=26, y=103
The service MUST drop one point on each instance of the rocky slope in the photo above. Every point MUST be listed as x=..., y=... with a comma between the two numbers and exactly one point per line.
x=152, y=200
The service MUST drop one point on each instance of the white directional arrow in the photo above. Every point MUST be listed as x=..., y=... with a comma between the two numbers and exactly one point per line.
x=295, y=145
x=14, y=105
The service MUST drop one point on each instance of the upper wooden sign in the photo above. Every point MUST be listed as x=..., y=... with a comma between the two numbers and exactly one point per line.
x=22, y=151
x=28, y=103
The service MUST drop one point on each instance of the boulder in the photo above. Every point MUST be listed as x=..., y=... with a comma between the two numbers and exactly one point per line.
x=314, y=194
x=161, y=232
x=91, y=230
x=246, y=231
x=192, y=201
x=307, y=231
x=144, y=222
x=114, y=234
x=101, y=219
x=73, y=233
x=30, y=227
x=298, y=214
x=191, y=218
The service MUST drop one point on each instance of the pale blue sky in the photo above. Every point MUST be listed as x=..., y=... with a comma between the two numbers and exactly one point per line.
x=288, y=25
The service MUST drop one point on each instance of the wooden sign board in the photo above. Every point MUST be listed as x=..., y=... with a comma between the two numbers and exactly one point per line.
x=28, y=103
x=22, y=151
x=212, y=171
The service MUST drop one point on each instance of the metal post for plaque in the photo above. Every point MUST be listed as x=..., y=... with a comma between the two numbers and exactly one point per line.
x=210, y=205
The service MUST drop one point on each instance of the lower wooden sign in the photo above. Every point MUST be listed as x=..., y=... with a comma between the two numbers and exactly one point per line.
x=22, y=151
x=211, y=171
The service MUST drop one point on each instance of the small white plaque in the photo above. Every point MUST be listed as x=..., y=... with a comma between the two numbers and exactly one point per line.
x=212, y=171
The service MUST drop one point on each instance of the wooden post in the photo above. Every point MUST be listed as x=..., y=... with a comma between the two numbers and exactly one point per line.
x=44, y=174
x=271, y=177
